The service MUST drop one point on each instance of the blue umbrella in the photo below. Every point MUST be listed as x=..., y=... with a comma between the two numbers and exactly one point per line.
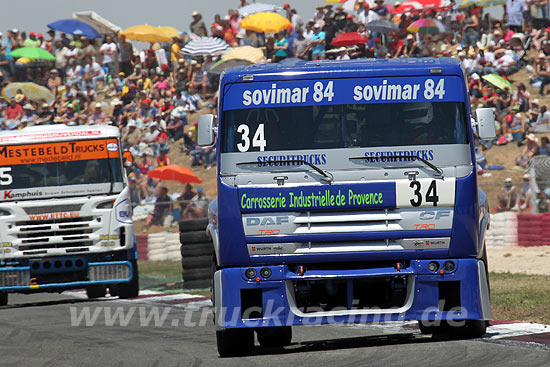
x=73, y=26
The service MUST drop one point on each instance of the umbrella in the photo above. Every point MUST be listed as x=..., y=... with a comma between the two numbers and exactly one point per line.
x=265, y=23
x=382, y=26
x=258, y=8
x=221, y=65
x=349, y=5
x=498, y=81
x=36, y=53
x=32, y=91
x=428, y=26
x=73, y=26
x=174, y=173
x=146, y=33
x=249, y=53
x=348, y=39
x=205, y=46
x=170, y=31
x=480, y=3
x=420, y=5
x=99, y=23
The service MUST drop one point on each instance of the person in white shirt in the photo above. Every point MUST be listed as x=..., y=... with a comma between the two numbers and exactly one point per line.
x=94, y=72
x=108, y=50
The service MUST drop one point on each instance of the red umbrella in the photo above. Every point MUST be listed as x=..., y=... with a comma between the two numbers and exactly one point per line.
x=174, y=173
x=421, y=5
x=348, y=39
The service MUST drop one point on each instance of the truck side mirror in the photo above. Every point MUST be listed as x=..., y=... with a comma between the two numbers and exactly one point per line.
x=127, y=158
x=485, y=123
x=205, y=130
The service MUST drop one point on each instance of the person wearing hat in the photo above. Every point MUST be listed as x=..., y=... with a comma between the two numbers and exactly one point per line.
x=319, y=16
x=98, y=116
x=507, y=196
x=411, y=48
x=197, y=26
x=317, y=43
x=380, y=9
x=93, y=72
x=525, y=194
x=531, y=149
x=199, y=78
x=32, y=41
x=365, y=14
x=197, y=207
x=131, y=135
x=45, y=114
x=14, y=111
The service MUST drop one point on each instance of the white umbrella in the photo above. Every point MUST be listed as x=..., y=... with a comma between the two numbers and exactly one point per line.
x=205, y=46
x=258, y=8
x=349, y=6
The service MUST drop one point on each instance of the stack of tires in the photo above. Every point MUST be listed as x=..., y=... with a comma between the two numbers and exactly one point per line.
x=142, y=250
x=503, y=231
x=163, y=246
x=196, y=253
x=533, y=229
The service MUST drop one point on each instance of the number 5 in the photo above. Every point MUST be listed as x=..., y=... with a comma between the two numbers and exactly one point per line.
x=5, y=177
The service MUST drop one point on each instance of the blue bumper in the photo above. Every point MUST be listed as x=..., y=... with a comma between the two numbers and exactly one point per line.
x=272, y=300
x=28, y=279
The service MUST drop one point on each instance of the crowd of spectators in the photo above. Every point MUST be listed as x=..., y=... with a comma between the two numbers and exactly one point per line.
x=150, y=93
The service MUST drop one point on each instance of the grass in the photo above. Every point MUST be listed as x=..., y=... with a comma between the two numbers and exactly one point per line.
x=520, y=297
x=516, y=297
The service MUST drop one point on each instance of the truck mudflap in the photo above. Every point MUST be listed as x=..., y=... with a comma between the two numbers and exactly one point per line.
x=283, y=295
x=63, y=273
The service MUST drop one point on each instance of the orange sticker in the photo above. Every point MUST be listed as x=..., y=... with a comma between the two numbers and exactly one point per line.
x=58, y=152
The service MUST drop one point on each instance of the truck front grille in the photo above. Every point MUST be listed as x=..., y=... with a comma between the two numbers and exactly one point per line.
x=55, y=233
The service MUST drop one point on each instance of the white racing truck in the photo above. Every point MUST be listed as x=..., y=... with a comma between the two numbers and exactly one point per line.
x=65, y=214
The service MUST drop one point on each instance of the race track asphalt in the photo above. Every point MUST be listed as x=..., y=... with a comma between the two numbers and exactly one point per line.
x=40, y=330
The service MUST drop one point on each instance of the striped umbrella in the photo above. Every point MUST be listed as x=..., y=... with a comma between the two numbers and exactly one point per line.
x=427, y=26
x=32, y=91
x=205, y=46
x=249, y=53
x=258, y=8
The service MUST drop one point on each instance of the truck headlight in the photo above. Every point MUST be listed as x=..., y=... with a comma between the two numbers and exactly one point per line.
x=4, y=212
x=106, y=205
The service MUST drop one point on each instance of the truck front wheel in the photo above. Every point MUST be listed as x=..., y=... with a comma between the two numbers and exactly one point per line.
x=235, y=342
x=130, y=289
x=469, y=329
x=96, y=291
x=3, y=298
x=270, y=337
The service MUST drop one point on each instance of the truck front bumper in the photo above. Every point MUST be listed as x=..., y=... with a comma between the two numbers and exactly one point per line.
x=282, y=297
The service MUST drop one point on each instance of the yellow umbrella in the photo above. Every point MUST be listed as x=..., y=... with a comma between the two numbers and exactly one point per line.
x=146, y=33
x=170, y=31
x=248, y=53
x=265, y=23
x=32, y=91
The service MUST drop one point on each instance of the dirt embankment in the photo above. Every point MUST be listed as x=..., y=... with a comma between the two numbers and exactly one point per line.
x=525, y=260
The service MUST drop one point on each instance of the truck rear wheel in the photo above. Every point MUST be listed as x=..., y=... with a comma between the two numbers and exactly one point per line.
x=3, y=298
x=96, y=291
x=130, y=289
x=235, y=342
x=274, y=336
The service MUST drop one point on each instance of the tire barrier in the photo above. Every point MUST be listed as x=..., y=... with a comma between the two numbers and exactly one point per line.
x=518, y=229
x=141, y=243
x=196, y=253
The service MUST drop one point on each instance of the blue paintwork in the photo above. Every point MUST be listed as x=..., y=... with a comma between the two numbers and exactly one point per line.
x=424, y=303
x=67, y=285
x=467, y=234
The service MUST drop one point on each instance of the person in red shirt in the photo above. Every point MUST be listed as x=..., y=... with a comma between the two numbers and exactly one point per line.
x=163, y=159
x=14, y=111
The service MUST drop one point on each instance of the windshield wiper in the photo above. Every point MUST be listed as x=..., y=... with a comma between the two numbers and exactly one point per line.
x=326, y=176
x=437, y=170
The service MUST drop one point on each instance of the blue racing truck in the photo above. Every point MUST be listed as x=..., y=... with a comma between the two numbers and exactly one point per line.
x=347, y=193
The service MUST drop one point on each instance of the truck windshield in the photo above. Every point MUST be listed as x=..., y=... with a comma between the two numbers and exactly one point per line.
x=343, y=126
x=65, y=173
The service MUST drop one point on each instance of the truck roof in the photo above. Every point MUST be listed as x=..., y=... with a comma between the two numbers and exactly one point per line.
x=59, y=132
x=296, y=69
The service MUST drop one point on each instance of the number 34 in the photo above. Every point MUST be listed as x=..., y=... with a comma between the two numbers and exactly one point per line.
x=257, y=141
x=430, y=196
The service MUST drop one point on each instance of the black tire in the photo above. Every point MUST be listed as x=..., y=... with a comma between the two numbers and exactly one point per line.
x=188, y=225
x=427, y=329
x=3, y=298
x=235, y=342
x=470, y=330
x=273, y=337
x=193, y=237
x=197, y=249
x=196, y=262
x=196, y=274
x=96, y=291
x=196, y=284
x=113, y=290
x=130, y=289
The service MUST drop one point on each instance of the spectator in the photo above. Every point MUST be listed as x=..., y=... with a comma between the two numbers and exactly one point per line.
x=197, y=25
x=125, y=55
x=161, y=213
x=197, y=206
x=108, y=49
x=317, y=43
x=507, y=196
x=281, y=47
